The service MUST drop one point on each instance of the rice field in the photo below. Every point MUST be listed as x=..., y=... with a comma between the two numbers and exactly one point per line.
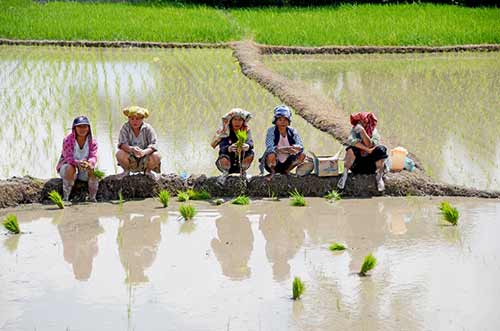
x=187, y=91
x=443, y=107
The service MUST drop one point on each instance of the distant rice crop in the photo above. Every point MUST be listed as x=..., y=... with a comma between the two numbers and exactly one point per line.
x=198, y=195
x=182, y=196
x=337, y=247
x=241, y=200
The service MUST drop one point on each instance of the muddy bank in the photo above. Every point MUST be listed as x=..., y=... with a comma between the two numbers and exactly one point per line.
x=17, y=191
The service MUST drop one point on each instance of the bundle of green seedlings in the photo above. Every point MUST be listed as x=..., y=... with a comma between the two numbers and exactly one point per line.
x=10, y=223
x=99, y=174
x=241, y=200
x=297, y=199
x=198, y=195
x=337, y=247
x=121, y=200
x=297, y=288
x=450, y=214
x=187, y=212
x=368, y=264
x=241, y=137
x=164, y=196
x=56, y=198
x=333, y=196
x=182, y=196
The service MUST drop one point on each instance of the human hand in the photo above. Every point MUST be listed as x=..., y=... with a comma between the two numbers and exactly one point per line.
x=83, y=164
x=245, y=147
x=232, y=148
x=370, y=150
x=295, y=150
x=358, y=128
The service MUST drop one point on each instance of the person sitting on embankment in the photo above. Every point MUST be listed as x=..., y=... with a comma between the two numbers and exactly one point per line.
x=284, y=149
x=364, y=155
x=137, y=151
x=78, y=158
x=231, y=158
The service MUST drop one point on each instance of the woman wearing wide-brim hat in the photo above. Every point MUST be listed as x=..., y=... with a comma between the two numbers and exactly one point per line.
x=137, y=150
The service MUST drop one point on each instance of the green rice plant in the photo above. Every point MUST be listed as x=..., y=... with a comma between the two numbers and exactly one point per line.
x=198, y=195
x=164, y=196
x=337, y=247
x=99, y=174
x=56, y=198
x=182, y=196
x=10, y=223
x=187, y=212
x=368, y=264
x=333, y=196
x=241, y=136
x=298, y=288
x=297, y=199
x=241, y=200
x=121, y=200
x=450, y=214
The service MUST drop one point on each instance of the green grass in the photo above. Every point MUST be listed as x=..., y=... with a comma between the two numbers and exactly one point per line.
x=297, y=199
x=298, y=288
x=412, y=24
x=99, y=174
x=187, y=212
x=10, y=223
x=450, y=214
x=337, y=247
x=56, y=198
x=182, y=196
x=164, y=197
x=368, y=264
x=198, y=195
x=241, y=200
x=333, y=196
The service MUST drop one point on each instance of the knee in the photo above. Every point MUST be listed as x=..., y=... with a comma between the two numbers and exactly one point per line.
x=271, y=158
x=301, y=157
x=248, y=159
x=155, y=158
x=70, y=172
x=224, y=162
x=121, y=156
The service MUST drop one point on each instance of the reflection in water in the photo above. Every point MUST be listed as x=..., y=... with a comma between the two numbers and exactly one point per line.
x=138, y=240
x=284, y=234
x=79, y=239
x=234, y=243
x=442, y=107
x=12, y=242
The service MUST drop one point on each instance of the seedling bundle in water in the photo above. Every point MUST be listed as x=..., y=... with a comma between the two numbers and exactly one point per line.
x=198, y=195
x=164, y=196
x=99, y=174
x=187, y=211
x=337, y=247
x=297, y=288
x=10, y=223
x=333, y=196
x=297, y=199
x=241, y=200
x=182, y=196
x=56, y=198
x=450, y=214
x=368, y=264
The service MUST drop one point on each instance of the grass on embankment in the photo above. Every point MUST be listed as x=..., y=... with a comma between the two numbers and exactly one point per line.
x=343, y=25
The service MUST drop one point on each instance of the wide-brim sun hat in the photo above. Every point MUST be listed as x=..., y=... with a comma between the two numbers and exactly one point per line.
x=282, y=111
x=135, y=111
x=80, y=120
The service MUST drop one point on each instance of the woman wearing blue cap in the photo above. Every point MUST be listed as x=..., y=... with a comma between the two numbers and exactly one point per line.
x=78, y=158
x=284, y=149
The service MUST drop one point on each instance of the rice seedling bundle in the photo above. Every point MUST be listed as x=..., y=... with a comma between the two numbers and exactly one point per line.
x=198, y=195
x=337, y=247
x=182, y=196
x=56, y=198
x=99, y=174
x=298, y=288
x=187, y=211
x=164, y=196
x=241, y=200
x=450, y=214
x=368, y=264
x=297, y=199
x=333, y=196
x=10, y=223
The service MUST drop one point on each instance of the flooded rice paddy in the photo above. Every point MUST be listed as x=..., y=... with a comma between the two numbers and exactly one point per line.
x=139, y=267
x=443, y=107
x=187, y=90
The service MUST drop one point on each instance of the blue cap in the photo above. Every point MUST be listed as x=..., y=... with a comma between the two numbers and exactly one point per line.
x=282, y=111
x=81, y=120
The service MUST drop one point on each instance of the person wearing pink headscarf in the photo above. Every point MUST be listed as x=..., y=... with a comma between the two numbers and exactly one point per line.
x=365, y=154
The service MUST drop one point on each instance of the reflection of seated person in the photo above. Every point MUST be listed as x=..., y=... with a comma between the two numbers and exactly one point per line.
x=79, y=239
x=138, y=242
x=284, y=238
x=234, y=245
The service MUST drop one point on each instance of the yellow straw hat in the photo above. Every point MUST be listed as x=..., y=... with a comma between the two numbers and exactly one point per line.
x=135, y=111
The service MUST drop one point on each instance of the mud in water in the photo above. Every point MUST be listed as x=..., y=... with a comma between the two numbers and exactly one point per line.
x=136, y=266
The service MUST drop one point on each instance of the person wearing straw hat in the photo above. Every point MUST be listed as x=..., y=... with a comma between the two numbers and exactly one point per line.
x=365, y=154
x=78, y=158
x=284, y=148
x=137, y=150
x=231, y=160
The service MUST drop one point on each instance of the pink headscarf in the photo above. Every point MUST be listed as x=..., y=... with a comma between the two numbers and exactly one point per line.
x=368, y=119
